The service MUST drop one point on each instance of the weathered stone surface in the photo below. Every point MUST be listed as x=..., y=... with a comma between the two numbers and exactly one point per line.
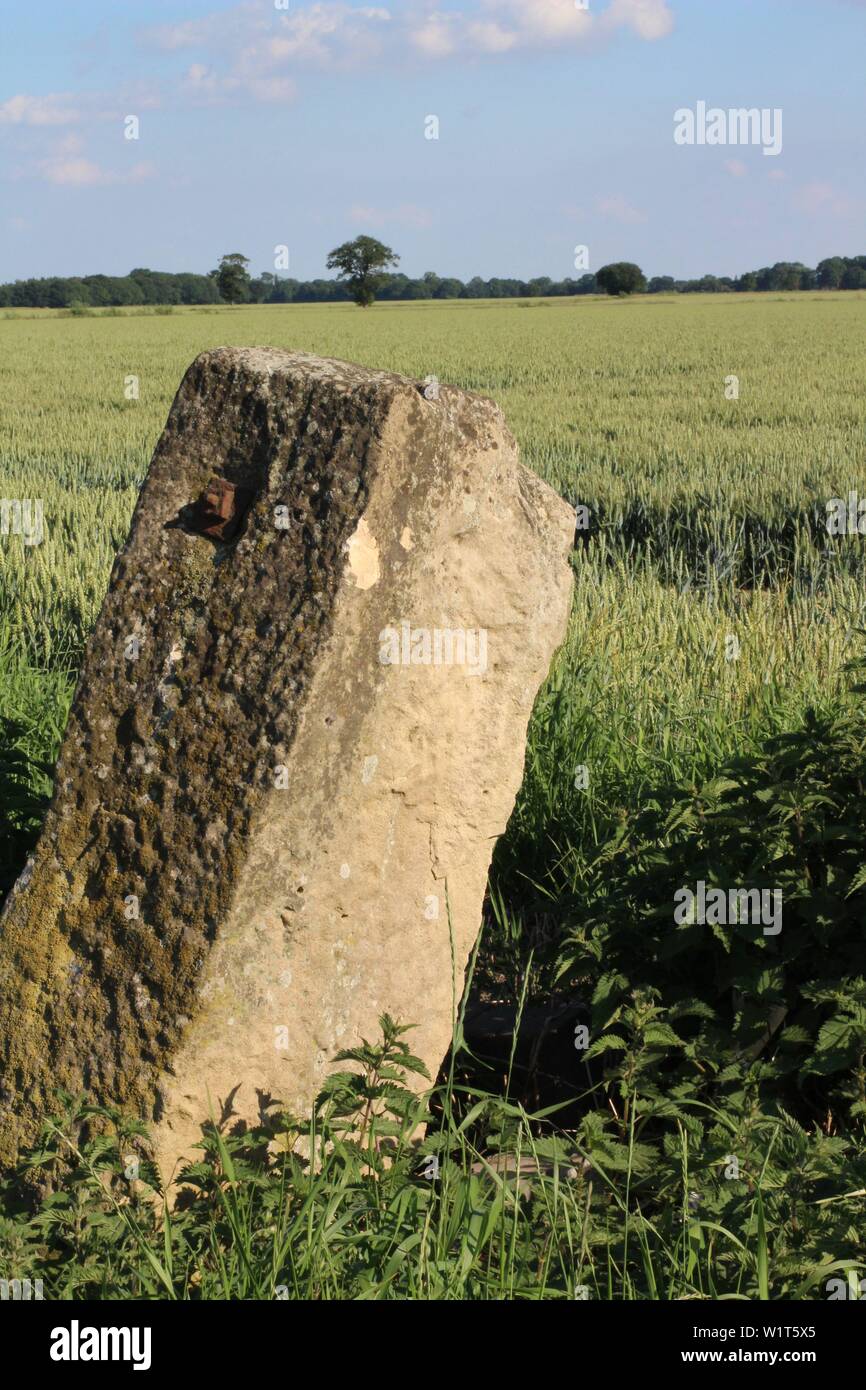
x=262, y=823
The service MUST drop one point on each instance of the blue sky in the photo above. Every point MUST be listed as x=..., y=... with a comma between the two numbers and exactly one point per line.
x=305, y=125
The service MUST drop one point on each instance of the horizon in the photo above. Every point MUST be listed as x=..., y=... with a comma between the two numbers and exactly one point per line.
x=332, y=278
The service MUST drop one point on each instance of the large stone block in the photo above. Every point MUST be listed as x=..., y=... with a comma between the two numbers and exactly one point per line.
x=298, y=731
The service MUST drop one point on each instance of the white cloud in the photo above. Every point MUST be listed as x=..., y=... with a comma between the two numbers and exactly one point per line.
x=615, y=206
x=326, y=34
x=53, y=109
x=204, y=86
x=650, y=19
x=73, y=171
x=544, y=20
x=79, y=173
x=436, y=36
x=497, y=26
x=490, y=37
x=819, y=197
x=252, y=52
x=68, y=144
x=334, y=35
x=59, y=109
x=201, y=84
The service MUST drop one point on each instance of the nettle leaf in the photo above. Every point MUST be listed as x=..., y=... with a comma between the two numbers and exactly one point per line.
x=722, y=933
x=836, y=1033
x=661, y=1033
x=609, y=985
x=858, y=881
x=765, y=795
x=687, y=1008
x=770, y=984
x=719, y=786
x=611, y=1042
x=794, y=1036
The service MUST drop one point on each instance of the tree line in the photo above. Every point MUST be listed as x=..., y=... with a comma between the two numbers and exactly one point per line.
x=151, y=287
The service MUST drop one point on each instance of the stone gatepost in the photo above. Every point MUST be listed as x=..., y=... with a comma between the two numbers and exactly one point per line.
x=299, y=729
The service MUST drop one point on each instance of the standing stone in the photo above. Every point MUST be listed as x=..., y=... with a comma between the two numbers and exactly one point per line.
x=298, y=731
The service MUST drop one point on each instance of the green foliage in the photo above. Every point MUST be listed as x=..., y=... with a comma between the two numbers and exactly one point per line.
x=353, y=1205
x=360, y=263
x=232, y=278
x=622, y=277
x=21, y=806
x=723, y=1032
x=143, y=286
x=783, y=1007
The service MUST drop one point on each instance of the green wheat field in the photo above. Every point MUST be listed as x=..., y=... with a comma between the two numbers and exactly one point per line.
x=713, y=617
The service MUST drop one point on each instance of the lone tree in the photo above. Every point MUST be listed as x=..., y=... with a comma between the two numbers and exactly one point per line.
x=232, y=279
x=360, y=263
x=621, y=278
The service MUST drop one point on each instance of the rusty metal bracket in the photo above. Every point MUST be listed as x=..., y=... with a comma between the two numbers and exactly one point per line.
x=219, y=511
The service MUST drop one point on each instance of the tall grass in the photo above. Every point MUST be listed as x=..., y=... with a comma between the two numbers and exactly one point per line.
x=483, y=1208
